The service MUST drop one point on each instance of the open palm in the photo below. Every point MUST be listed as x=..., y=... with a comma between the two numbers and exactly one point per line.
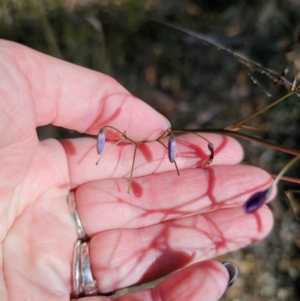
x=166, y=222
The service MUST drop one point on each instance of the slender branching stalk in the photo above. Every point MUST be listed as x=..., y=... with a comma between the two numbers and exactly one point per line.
x=293, y=88
x=132, y=166
x=113, y=145
x=285, y=169
x=275, y=146
x=237, y=126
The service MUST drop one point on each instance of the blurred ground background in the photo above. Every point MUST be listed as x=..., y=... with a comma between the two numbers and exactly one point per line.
x=193, y=84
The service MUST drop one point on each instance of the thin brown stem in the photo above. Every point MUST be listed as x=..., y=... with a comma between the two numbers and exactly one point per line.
x=116, y=143
x=278, y=147
x=237, y=125
x=131, y=172
x=111, y=127
x=177, y=169
x=210, y=145
x=187, y=131
x=287, y=179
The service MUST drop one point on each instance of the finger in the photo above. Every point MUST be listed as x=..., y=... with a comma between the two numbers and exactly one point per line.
x=150, y=157
x=39, y=90
x=158, y=198
x=204, y=280
x=77, y=98
x=124, y=257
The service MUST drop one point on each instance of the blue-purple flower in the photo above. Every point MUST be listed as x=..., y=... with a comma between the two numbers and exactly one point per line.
x=257, y=200
x=172, y=148
x=100, y=141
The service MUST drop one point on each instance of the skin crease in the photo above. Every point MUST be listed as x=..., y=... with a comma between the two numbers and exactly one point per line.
x=166, y=223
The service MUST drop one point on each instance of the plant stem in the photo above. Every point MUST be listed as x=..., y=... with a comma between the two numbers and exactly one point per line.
x=285, y=169
x=287, y=179
x=239, y=123
x=284, y=149
x=131, y=172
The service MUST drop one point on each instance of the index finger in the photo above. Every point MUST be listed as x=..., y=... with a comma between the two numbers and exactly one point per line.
x=77, y=98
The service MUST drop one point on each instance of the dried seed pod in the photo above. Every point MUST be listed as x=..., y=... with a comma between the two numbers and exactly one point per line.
x=172, y=148
x=100, y=141
x=257, y=200
x=211, y=148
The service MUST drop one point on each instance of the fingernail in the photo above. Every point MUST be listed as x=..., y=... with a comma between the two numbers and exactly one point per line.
x=233, y=272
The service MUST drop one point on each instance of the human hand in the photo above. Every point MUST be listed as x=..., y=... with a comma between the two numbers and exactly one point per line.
x=166, y=223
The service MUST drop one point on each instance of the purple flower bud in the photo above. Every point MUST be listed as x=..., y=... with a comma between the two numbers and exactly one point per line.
x=256, y=201
x=172, y=148
x=100, y=141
